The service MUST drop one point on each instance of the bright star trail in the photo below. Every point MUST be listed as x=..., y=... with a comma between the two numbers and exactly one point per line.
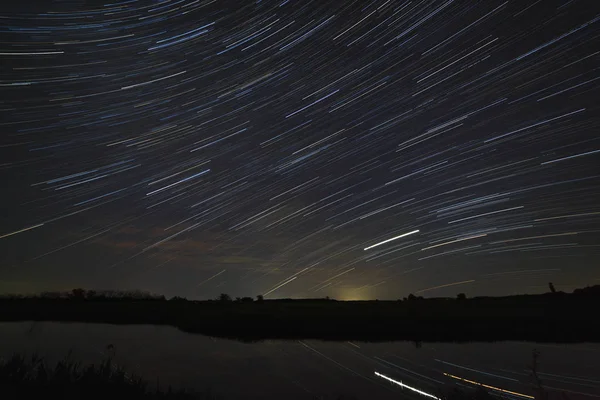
x=351, y=149
x=391, y=239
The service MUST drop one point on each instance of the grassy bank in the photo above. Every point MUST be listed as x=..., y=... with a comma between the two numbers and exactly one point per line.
x=32, y=378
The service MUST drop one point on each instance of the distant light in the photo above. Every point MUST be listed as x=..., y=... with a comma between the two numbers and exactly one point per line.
x=406, y=386
x=394, y=238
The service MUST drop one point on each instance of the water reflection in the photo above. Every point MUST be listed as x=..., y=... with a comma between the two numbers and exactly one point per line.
x=304, y=369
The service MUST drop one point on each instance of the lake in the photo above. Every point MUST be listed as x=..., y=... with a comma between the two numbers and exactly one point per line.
x=305, y=369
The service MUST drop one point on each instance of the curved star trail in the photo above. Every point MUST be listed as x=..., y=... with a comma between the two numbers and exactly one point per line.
x=200, y=147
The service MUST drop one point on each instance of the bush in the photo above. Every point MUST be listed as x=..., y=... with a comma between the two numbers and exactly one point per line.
x=22, y=378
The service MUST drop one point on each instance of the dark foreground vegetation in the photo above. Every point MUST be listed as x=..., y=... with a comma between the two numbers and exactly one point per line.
x=31, y=378
x=550, y=317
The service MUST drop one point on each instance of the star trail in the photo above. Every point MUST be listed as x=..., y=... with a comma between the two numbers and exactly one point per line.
x=352, y=149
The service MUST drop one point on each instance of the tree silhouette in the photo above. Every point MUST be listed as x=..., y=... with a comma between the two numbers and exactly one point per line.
x=552, y=289
x=78, y=294
x=260, y=298
x=224, y=297
x=461, y=296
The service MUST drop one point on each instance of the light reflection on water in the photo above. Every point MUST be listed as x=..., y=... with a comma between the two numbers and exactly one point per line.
x=301, y=370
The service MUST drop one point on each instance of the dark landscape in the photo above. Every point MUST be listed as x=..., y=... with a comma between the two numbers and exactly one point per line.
x=550, y=317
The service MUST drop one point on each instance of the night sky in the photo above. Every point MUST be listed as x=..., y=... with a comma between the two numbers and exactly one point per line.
x=198, y=147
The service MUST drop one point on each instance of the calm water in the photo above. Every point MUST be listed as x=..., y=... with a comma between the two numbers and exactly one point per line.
x=301, y=370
